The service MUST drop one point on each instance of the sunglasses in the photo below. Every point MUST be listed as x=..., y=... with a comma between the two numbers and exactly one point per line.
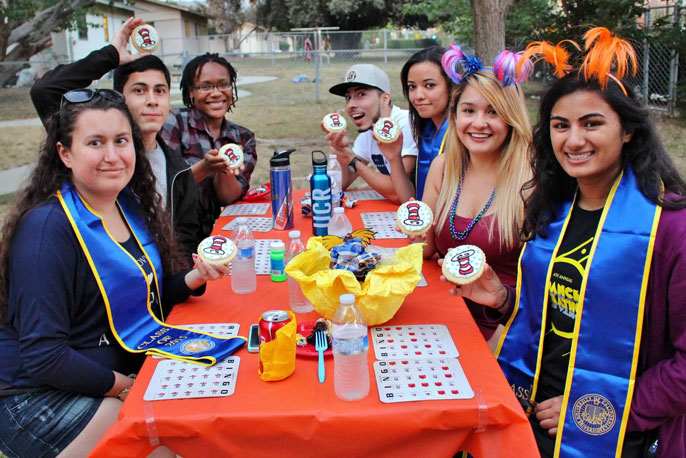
x=86, y=95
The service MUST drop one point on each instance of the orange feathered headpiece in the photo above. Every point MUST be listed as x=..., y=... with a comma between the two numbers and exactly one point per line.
x=602, y=51
x=556, y=55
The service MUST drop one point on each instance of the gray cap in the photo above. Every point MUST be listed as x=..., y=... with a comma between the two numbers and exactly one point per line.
x=363, y=75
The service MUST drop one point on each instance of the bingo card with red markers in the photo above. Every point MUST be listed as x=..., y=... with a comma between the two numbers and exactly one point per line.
x=421, y=380
x=417, y=363
x=181, y=380
x=413, y=341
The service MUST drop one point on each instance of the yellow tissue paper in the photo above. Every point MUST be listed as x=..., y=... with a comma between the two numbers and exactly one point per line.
x=277, y=358
x=378, y=298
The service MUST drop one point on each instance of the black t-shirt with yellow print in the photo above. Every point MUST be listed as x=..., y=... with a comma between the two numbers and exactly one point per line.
x=564, y=289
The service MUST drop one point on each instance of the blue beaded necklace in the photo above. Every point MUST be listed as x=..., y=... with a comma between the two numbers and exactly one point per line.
x=461, y=235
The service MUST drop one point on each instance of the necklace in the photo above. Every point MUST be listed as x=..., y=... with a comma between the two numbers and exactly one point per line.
x=461, y=235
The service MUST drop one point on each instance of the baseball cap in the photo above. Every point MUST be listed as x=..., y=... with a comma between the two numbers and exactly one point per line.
x=363, y=75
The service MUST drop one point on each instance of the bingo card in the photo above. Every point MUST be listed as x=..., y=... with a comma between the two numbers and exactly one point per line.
x=421, y=380
x=174, y=379
x=262, y=262
x=364, y=194
x=383, y=223
x=414, y=341
x=256, y=224
x=245, y=209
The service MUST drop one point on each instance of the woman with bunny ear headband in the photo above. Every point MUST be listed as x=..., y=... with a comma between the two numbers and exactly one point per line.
x=473, y=187
x=595, y=340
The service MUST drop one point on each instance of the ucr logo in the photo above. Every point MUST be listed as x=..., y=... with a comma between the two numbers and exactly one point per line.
x=413, y=218
x=218, y=242
x=463, y=259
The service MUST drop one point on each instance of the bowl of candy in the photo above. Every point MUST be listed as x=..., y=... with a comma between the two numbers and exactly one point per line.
x=379, y=278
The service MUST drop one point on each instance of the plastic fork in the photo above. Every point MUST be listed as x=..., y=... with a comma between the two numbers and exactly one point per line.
x=321, y=344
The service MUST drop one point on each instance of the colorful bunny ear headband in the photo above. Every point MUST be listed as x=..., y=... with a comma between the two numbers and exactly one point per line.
x=508, y=67
x=603, y=52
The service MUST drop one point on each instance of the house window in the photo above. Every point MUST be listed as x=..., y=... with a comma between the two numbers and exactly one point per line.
x=104, y=27
x=82, y=28
x=187, y=24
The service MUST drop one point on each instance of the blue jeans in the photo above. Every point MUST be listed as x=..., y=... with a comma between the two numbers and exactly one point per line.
x=42, y=423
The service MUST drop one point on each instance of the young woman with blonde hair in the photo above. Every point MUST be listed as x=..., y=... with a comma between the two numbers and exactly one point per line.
x=474, y=188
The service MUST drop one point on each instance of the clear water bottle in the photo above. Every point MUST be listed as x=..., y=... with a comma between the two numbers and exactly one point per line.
x=333, y=169
x=243, y=276
x=339, y=225
x=296, y=298
x=350, y=348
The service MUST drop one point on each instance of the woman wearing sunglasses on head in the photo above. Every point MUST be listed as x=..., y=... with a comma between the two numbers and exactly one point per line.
x=85, y=245
x=595, y=338
x=208, y=86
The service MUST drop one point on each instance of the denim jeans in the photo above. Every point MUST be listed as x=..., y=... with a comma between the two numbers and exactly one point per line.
x=42, y=423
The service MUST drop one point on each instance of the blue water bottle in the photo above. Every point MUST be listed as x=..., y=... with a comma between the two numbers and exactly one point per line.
x=320, y=191
x=282, y=191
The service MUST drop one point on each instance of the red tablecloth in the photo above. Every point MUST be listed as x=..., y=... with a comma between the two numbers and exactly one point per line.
x=299, y=416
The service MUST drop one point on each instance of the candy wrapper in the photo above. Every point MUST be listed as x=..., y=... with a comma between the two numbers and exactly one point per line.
x=380, y=295
x=278, y=356
x=354, y=257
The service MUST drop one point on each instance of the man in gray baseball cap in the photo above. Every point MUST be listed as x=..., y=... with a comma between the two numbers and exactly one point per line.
x=363, y=75
x=367, y=92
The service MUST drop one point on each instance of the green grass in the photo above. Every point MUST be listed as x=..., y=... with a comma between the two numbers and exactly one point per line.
x=282, y=114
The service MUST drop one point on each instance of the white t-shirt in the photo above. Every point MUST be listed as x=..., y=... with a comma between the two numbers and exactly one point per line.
x=366, y=147
x=159, y=168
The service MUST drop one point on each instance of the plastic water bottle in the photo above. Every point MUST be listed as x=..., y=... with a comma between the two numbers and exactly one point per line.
x=333, y=169
x=350, y=348
x=340, y=224
x=243, y=277
x=296, y=298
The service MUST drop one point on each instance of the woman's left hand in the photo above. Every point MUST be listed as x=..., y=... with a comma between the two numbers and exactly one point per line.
x=548, y=414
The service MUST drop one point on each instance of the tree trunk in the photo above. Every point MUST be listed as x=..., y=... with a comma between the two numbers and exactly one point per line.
x=489, y=27
x=33, y=36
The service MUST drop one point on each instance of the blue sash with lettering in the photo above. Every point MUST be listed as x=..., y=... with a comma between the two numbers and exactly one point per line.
x=607, y=330
x=125, y=288
x=430, y=145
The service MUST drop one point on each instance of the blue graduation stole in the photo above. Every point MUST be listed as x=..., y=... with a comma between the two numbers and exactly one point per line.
x=430, y=145
x=125, y=288
x=607, y=330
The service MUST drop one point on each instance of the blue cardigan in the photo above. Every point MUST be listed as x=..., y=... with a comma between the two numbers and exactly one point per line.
x=57, y=333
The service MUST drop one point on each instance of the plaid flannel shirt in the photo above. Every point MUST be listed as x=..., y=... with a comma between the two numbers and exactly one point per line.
x=187, y=132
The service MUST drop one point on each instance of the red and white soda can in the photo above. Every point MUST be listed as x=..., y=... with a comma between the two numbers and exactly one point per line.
x=272, y=321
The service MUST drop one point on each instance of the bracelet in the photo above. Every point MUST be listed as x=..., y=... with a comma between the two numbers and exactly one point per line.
x=507, y=299
x=123, y=393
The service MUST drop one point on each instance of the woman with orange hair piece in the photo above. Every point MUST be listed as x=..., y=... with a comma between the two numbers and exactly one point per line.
x=595, y=339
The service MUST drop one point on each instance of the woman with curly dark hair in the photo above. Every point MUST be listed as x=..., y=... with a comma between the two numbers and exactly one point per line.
x=595, y=339
x=85, y=238
x=208, y=87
